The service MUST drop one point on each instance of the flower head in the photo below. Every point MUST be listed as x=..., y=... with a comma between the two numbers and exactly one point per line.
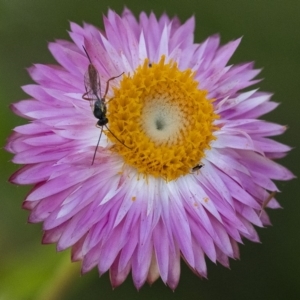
x=184, y=168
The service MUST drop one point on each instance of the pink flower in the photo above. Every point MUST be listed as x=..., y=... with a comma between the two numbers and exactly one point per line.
x=183, y=169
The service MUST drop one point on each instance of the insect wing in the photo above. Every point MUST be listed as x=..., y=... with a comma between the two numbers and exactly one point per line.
x=92, y=80
x=92, y=85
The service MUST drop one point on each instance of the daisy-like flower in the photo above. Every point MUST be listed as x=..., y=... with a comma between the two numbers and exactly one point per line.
x=184, y=168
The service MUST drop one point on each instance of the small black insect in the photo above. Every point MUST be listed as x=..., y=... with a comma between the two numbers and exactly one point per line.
x=93, y=94
x=197, y=168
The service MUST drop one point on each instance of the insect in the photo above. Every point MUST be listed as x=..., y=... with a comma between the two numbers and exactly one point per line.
x=93, y=94
x=197, y=168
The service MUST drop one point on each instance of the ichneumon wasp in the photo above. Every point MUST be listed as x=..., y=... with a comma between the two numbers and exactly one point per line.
x=97, y=102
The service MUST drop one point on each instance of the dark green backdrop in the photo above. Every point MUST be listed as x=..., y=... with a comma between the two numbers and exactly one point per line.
x=271, y=37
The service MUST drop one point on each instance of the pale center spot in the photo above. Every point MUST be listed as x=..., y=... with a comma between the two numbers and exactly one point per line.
x=162, y=119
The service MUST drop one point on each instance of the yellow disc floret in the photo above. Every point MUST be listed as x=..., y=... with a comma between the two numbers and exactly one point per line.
x=165, y=123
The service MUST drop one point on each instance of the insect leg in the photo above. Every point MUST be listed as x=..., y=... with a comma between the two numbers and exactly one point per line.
x=84, y=96
x=107, y=84
x=117, y=138
x=97, y=145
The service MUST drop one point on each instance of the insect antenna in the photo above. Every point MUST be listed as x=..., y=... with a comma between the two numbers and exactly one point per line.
x=87, y=55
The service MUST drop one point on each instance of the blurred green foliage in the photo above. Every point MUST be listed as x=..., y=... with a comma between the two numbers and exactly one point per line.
x=271, y=38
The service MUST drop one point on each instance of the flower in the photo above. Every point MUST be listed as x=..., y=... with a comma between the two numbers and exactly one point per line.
x=184, y=167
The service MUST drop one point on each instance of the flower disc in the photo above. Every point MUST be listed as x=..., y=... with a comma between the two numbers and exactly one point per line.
x=162, y=117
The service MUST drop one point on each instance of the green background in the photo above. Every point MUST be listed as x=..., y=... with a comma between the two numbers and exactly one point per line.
x=270, y=30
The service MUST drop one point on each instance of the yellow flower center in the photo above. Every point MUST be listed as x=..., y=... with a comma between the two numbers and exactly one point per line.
x=164, y=119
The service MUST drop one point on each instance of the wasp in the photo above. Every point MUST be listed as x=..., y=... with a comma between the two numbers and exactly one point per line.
x=97, y=102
